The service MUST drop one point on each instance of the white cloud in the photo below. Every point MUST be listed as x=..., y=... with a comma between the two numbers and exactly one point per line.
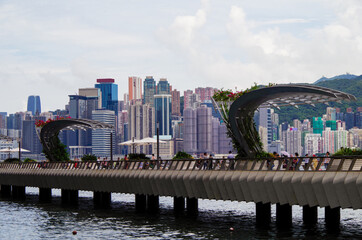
x=55, y=48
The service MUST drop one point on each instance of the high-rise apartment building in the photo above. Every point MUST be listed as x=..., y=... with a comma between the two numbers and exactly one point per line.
x=293, y=141
x=187, y=98
x=176, y=103
x=34, y=105
x=101, y=138
x=204, y=133
x=109, y=94
x=312, y=143
x=331, y=114
x=205, y=93
x=163, y=113
x=163, y=87
x=149, y=91
x=341, y=139
x=190, y=130
x=204, y=129
x=328, y=141
x=317, y=125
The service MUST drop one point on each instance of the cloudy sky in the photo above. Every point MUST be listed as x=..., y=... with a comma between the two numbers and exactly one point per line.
x=52, y=48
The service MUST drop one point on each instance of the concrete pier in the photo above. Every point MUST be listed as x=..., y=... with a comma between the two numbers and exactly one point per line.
x=45, y=194
x=5, y=191
x=284, y=215
x=69, y=197
x=332, y=216
x=263, y=213
x=140, y=202
x=102, y=199
x=18, y=192
x=178, y=204
x=153, y=203
x=310, y=215
x=192, y=206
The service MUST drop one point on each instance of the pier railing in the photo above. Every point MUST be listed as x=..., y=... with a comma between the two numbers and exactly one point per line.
x=307, y=164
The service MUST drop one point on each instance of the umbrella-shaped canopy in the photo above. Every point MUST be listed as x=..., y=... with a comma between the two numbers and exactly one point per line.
x=144, y=141
x=149, y=140
x=7, y=150
x=17, y=150
x=132, y=142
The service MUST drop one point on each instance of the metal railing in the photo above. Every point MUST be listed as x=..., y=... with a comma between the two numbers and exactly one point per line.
x=306, y=164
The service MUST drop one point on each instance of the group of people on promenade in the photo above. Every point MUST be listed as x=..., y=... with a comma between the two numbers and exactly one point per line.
x=295, y=159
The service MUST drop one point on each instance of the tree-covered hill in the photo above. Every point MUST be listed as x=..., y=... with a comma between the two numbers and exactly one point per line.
x=352, y=86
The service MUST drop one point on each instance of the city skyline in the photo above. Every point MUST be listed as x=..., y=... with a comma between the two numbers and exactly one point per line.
x=51, y=49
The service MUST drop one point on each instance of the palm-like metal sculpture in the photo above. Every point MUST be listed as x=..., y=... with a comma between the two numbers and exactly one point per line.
x=239, y=119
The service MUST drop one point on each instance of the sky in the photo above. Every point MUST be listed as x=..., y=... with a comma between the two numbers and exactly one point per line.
x=53, y=48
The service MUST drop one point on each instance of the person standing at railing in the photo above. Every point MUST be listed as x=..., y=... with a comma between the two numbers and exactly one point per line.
x=210, y=163
x=231, y=160
x=306, y=161
x=326, y=160
x=126, y=162
x=314, y=162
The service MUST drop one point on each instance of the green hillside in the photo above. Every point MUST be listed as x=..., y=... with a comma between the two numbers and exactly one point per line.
x=352, y=86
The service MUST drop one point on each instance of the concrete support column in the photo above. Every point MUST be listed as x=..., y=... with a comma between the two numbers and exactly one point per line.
x=284, y=215
x=178, y=204
x=102, y=199
x=70, y=196
x=141, y=202
x=263, y=213
x=18, y=192
x=45, y=194
x=5, y=191
x=192, y=206
x=332, y=216
x=310, y=215
x=153, y=203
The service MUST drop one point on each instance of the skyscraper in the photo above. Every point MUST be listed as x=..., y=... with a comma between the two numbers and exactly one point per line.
x=141, y=123
x=163, y=113
x=134, y=89
x=34, y=105
x=101, y=138
x=149, y=90
x=176, y=102
x=109, y=93
x=265, y=121
x=163, y=87
x=30, y=140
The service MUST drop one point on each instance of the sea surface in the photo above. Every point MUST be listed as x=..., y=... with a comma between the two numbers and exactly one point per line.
x=33, y=220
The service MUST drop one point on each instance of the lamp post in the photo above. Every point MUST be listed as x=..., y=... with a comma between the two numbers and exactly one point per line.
x=158, y=140
x=19, y=143
x=111, y=146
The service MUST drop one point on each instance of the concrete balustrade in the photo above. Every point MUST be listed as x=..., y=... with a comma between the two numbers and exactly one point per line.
x=340, y=186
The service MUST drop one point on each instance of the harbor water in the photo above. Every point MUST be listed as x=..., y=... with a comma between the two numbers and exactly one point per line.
x=30, y=219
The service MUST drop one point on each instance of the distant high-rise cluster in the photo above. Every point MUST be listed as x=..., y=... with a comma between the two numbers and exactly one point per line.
x=185, y=121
